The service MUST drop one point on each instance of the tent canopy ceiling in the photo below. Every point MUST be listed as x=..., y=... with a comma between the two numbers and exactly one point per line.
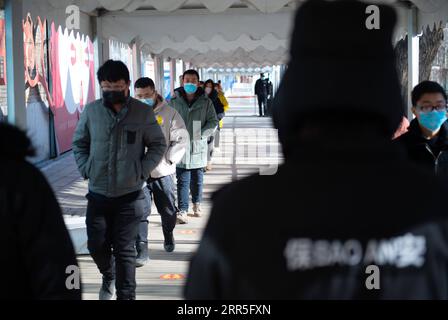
x=220, y=33
x=264, y=6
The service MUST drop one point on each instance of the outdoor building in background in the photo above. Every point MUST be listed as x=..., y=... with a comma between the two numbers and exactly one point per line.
x=439, y=70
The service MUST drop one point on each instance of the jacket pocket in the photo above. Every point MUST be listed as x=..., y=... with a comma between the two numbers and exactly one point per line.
x=198, y=153
x=138, y=171
x=128, y=174
x=131, y=136
x=98, y=174
x=88, y=166
x=197, y=146
x=130, y=146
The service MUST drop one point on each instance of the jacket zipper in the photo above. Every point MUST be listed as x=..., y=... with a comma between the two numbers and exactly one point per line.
x=435, y=158
x=117, y=147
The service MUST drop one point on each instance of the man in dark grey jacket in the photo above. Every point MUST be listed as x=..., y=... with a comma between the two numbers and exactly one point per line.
x=117, y=144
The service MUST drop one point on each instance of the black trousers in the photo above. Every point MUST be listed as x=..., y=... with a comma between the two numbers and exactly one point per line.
x=262, y=102
x=162, y=192
x=112, y=225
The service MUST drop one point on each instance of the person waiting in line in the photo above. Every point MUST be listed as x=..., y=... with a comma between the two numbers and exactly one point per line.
x=350, y=234
x=200, y=119
x=269, y=98
x=218, y=87
x=36, y=249
x=226, y=107
x=261, y=91
x=219, y=109
x=181, y=83
x=117, y=144
x=160, y=184
x=427, y=139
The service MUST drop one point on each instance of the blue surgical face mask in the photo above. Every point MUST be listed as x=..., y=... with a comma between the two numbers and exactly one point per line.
x=190, y=88
x=148, y=101
x=432, y=120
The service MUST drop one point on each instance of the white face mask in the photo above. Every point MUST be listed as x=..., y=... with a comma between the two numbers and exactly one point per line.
x=208, y=90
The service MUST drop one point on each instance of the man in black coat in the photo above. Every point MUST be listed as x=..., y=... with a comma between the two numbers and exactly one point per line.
x=427, y=138
x=348, y=216
x=261, y=91
x=37, y=259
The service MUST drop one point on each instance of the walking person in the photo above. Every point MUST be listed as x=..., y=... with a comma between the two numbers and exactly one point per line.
x=426, y=140
x=199, y=115
x=226, y=106
x=213, y=95
x=160, y=184
x=117, y=144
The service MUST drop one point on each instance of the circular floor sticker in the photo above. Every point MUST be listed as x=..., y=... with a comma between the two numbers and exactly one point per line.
x=172, y=276
x=187, y=232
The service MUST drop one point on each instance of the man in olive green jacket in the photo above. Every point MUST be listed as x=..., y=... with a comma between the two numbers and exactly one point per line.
x=117, y=144
x=201, y=121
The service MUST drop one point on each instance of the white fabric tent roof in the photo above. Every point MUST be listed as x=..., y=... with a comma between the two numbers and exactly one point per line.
x=265, y=6
x=219, y=33
x=208, y=38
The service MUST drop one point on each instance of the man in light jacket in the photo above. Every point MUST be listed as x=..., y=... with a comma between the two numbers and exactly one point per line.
x=161, y=181
x=117, y=144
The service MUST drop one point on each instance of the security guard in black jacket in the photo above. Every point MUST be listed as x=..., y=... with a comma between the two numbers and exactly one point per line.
x=427, y=138
x=336, y=224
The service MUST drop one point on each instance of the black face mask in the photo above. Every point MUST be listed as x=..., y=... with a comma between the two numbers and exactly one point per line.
x=114, y=97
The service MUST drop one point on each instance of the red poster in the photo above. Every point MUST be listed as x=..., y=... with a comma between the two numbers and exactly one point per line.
x=73, y=78
x=2, y=53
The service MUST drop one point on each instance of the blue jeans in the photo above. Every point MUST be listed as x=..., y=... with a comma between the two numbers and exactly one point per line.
x=189, y=180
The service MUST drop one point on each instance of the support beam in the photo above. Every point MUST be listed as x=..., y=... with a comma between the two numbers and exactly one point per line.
x=413, y=55
x=173, y=75
x=136, y=58
x=15, y=63
x=158, y=70
x=101, y=48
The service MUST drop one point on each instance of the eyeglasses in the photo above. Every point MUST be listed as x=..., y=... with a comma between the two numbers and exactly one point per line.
x=428, y=108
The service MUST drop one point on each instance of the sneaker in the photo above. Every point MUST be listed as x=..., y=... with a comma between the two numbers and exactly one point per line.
x=169, y=243
x=197, y=210
x=107, y=290
x=182, y=217
x=142, y=254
